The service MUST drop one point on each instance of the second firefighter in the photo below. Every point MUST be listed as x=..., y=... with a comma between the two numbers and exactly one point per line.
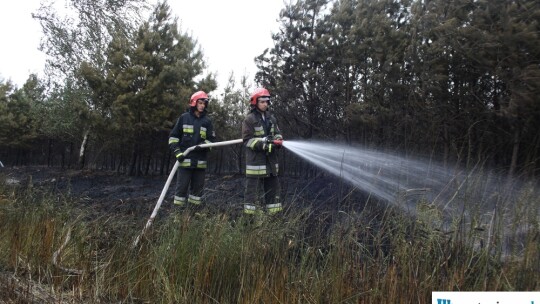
x=262, y=138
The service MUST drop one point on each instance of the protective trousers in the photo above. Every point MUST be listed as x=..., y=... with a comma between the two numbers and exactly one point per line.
x=192, y=179
x=259, y=191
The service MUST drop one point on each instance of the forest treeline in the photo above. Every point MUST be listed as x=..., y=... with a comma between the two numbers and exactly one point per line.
x=456, y=80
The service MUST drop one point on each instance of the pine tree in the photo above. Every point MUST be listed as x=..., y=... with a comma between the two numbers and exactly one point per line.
x=146, y=83
x=18, y=128
x=293, y=69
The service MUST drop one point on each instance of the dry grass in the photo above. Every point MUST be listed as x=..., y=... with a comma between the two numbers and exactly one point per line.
x=50, y=251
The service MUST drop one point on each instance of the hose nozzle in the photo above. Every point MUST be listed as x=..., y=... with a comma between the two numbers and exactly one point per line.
x=270, y=139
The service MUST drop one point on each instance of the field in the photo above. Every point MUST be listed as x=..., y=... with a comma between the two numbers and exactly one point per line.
x=66, y=237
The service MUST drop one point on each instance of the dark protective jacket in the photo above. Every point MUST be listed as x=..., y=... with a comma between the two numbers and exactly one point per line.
x=188, y=131
x=260, y=163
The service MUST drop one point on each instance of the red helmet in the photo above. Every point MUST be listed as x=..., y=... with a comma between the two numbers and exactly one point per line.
x=259, y=92
x=196, y=96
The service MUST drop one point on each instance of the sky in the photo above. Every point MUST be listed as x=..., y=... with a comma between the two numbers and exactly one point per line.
x=231, y=34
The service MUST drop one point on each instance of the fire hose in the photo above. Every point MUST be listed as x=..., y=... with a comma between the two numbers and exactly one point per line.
x=171, y=176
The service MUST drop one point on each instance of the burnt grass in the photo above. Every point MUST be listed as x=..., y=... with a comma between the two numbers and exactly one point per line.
x=119, y=205
x=111, y=193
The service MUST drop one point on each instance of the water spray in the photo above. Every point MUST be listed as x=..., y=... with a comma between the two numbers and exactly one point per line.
x=403, y=181
x=436, y=193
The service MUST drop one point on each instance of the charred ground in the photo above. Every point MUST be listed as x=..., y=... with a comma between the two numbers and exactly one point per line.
x=114, y=193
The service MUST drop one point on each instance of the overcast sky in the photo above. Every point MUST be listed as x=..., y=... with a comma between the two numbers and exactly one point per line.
x=231, y=33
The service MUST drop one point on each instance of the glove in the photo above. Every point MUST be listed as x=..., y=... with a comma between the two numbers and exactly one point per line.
x=199, y=148
x=179, y=156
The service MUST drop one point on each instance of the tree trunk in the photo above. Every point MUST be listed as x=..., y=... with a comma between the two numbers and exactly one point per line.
x=534, y=157
x=82, y=152
x=149, y=157
x=148, y=163
x=70, y=159
x=49, y=153
x=219, y=165
x=63, y=156
x=133, y=166
x=164, y=161
x=515, y=151
x=120, y=161
x=446, y=146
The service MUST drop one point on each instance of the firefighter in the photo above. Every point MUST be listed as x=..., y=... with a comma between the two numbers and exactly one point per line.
x=191, y=129
x=262, y=138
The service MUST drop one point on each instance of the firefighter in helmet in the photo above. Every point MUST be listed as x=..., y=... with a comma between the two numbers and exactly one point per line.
x=191, y=129
x=262, y=138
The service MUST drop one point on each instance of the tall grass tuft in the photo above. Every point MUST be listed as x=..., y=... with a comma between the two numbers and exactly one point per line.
x=335, y=255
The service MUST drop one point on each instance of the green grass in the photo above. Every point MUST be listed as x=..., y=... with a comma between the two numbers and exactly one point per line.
x=370, y=256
